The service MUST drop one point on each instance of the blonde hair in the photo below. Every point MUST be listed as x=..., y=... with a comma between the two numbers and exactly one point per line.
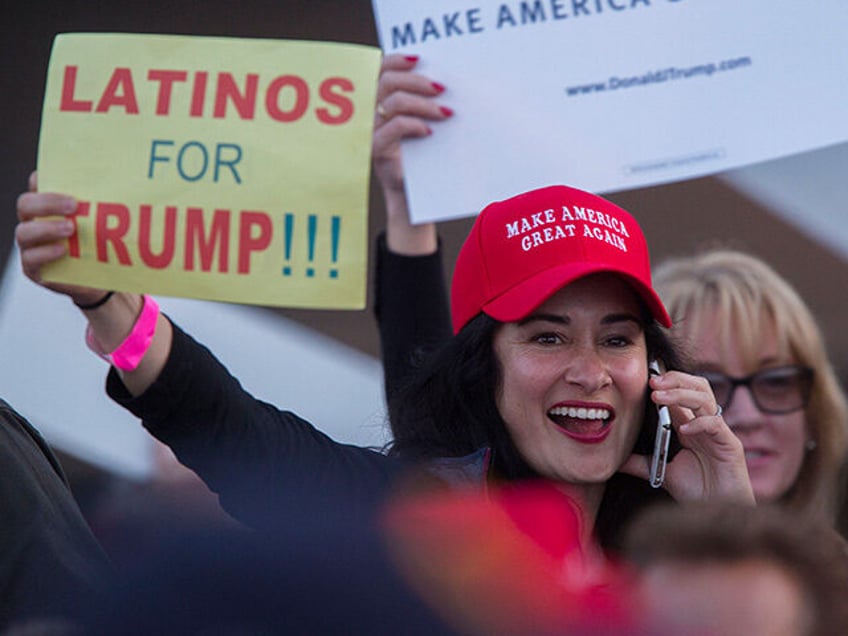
x=742, y=292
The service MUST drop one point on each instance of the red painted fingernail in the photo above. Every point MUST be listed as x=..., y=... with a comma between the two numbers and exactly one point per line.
x=411, y=58
x=439, y=88
x=447, y=112
x=429, y=131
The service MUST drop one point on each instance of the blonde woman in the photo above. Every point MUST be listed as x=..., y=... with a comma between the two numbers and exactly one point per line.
x=758, y=344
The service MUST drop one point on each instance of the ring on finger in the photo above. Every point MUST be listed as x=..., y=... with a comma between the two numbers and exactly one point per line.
x=719, y=410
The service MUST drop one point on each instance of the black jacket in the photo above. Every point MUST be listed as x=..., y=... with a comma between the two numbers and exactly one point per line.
x=50, y=560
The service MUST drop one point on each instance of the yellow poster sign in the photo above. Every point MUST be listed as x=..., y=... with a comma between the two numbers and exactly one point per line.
x=216, y=168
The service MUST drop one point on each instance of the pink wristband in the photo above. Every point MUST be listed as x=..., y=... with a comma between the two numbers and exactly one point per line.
x=129, y=353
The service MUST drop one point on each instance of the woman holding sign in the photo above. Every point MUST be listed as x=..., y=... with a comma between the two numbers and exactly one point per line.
x=739, y=315
x=547, y=376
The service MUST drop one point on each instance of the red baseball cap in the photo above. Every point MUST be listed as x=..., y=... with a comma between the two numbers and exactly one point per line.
x=523, y=249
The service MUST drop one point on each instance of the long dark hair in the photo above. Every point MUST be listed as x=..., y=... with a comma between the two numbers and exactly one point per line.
x=449, y=409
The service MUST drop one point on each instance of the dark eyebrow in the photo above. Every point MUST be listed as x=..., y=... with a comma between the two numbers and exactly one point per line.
x=565, y=320
x=622, y=317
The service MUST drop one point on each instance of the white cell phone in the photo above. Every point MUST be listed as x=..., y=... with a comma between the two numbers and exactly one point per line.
x=659, y=459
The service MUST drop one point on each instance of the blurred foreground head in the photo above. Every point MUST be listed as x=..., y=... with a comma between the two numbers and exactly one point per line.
x=320, y=568
x=732, y=570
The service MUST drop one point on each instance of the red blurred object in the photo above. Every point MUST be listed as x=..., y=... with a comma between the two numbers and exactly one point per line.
x=508, y=561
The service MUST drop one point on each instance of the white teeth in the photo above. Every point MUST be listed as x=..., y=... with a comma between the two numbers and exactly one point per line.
x=581, y=413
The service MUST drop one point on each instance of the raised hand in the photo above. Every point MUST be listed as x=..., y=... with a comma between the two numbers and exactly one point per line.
x=406, y=106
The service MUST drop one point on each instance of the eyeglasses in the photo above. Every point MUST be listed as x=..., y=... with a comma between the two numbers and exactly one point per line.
x=776, y=390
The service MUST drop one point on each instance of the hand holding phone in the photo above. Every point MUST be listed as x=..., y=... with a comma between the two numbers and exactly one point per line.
x=659, y=459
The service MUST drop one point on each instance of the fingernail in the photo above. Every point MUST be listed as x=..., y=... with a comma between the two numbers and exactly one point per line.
x=439, y=88
x=429, y=131
x=69, y=205
x=411, y=58
x=447, y=112
x=67, y=228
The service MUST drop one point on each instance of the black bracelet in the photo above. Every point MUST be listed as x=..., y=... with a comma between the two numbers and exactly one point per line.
x=96, y=303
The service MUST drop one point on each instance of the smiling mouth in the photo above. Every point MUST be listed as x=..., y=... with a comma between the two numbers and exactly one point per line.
x=754, y=456
x=583, y=424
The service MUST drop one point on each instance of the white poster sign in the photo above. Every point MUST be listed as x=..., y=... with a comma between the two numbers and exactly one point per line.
x=610, y=95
